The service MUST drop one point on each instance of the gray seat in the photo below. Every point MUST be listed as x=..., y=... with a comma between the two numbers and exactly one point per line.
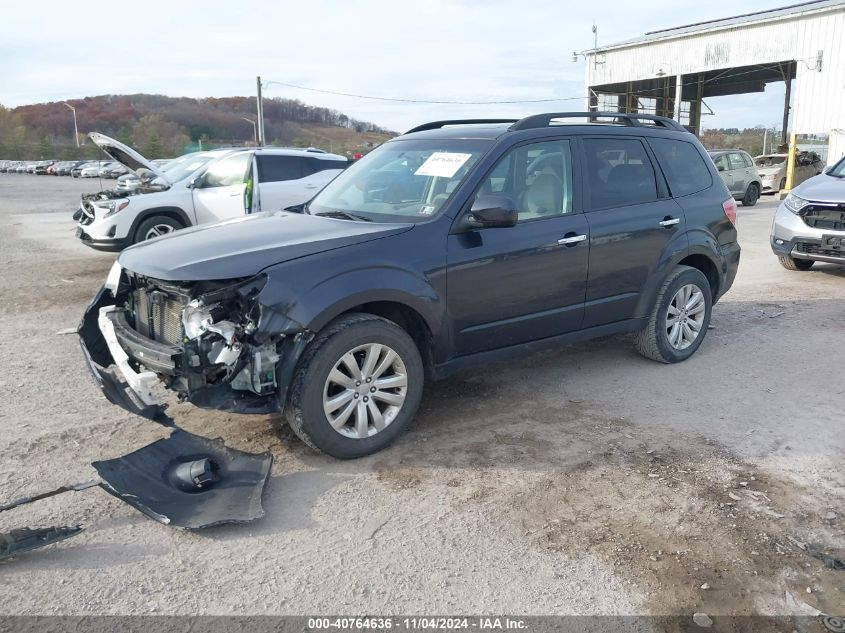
x=543, y=197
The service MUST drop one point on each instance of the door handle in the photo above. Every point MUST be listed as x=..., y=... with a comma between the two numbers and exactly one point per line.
x=235, y=193
x=667, y=222
x=572, y=240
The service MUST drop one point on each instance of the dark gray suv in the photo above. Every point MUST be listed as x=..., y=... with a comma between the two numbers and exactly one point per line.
x=456, y=244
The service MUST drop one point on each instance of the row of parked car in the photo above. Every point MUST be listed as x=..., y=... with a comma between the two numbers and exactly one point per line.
x=74, y=168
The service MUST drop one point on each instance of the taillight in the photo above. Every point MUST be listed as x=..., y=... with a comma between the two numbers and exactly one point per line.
x=729, y=207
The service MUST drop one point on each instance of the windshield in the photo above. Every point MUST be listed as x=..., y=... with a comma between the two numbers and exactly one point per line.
x=182, y=167
x=400, y=181
x=770, y=161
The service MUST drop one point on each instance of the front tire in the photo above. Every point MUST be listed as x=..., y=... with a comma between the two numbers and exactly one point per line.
x=752, y=194
x=679, y=320
x=154, y=227
x=790, y=263
x=356, y=388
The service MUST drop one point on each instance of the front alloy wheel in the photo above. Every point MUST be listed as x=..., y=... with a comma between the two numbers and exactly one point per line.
x=356, y=387
x=365, y=390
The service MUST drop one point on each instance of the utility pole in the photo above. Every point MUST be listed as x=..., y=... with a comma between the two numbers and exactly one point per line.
x=259, y=139
x=75, y=129
x=254, y=129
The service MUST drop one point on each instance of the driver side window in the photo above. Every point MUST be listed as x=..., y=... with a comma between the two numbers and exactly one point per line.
x=227, y=171
x=537, y=177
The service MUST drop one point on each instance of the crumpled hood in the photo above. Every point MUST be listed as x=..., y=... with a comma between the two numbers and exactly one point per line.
x=822, y=188
x=245, y=246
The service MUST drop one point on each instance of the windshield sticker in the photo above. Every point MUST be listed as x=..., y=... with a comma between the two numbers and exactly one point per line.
x=442, y=164
x=427, y=209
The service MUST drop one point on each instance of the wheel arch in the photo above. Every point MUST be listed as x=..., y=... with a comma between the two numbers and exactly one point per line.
x=172, y=212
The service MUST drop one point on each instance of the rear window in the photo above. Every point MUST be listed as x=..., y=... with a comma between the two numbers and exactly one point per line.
x=683, y=166
x=277, y=168
x=620, y=172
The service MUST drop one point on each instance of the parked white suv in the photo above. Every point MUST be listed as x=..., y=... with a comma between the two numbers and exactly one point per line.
x=199, y=188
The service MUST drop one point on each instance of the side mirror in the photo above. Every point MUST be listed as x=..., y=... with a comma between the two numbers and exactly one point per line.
x=195, y=182
x=828, y=169
x=491, y=211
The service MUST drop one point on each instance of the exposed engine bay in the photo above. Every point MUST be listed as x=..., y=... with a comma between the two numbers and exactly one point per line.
x=107, y=198
x=200, y=339
x=212, y=323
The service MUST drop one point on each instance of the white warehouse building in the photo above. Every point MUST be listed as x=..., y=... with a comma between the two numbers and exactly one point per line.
x=673, y=71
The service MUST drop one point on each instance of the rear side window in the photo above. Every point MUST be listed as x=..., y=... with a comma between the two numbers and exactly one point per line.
x=736, y=161
x=620, y=172
x=275, y=168
x=321, y=164
x=682, y=165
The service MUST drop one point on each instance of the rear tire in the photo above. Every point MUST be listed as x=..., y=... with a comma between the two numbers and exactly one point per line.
x=154, y=227
x=752, y=194
x=782, y=184
x=657, y=340
x=324, y=386
x=790, y=263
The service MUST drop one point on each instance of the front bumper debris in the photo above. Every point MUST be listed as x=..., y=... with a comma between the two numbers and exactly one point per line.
x=120, y=384
x=184, y=481
x=189, y=482
x=27, y=539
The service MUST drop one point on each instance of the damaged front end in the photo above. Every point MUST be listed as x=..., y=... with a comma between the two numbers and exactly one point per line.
x=201, y=339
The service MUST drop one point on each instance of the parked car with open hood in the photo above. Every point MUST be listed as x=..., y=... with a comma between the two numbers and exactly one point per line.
x=450, y=246
x=772, y=169
x=809, y=225
x=199, y=188
x=739, y=174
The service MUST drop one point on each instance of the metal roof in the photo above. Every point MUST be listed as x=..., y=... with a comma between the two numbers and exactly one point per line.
x=724, y=23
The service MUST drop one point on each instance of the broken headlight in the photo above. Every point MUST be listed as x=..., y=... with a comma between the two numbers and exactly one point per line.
x=196, y=318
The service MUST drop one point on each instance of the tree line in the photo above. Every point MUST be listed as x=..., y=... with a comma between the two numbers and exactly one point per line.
x=160, y=126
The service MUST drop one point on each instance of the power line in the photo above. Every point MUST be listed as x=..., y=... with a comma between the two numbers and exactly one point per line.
x=643, y=92
x=424, y=101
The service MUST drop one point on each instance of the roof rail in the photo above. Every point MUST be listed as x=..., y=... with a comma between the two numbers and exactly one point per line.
x=632, y=119
x=316, y=150
x=435, y=125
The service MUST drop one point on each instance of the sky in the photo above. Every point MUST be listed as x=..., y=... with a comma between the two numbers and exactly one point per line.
x=449, y=50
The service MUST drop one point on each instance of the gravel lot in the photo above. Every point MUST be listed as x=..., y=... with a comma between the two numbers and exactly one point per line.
x=583, y=480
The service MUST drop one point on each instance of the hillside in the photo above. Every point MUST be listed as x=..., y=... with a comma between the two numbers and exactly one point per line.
x=161, y=126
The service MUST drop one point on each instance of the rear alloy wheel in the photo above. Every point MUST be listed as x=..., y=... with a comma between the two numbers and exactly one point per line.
x=356, y=388
x=680, y=317
x=752, y=194
x=790, y=263
x=155, y=226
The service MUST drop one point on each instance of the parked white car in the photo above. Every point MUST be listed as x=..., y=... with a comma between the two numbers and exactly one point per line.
x=91, y=170
x=199, y=188
x=772, y=169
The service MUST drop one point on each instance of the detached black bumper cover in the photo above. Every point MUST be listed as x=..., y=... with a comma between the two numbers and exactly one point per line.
x=101, y=363
x=27, y=539
x=189, y=482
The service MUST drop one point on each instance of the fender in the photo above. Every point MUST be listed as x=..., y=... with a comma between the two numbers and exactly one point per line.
x=318, y=305
x=174, y=212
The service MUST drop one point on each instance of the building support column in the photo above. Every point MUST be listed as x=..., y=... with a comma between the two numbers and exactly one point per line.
x=784, y=135
x=679, y=91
